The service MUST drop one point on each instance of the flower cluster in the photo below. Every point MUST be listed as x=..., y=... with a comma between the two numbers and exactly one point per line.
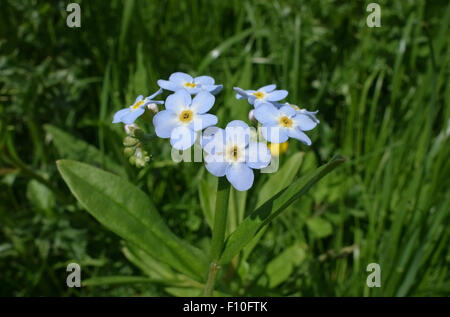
x=134, y=144
x=233, y=152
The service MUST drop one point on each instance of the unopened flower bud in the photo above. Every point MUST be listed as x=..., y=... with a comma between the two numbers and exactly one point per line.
x=130, y=141
x=153, y=107
x=251, y=115
x=128, y=151
x=129, y=128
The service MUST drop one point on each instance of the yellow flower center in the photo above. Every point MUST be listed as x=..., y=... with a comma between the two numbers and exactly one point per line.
x=190, y=85
x=137, y=105
x=278, y=148
x=258, y=94
x=294, y=106
x=186, y=116
x=286, y=122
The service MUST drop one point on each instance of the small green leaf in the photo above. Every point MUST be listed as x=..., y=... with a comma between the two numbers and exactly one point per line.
x=273, y=207
x=280, y=268
x=127, y=211
x=41, y=197
x=319, y=228
x=73, y=148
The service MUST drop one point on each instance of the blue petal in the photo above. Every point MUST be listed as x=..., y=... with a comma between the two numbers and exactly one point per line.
x=204, y=80
x=277, y=95
x=299, y=135
x=217, y=89
x=178, y=101
x=279, y=105
x=268, y=88
x=132, y=115
x=258, y=155
x=158, y=102
x=216, y=165
x=203, y=102
x=182, y=138
x=213, y=140
x=266, y=113
x=213, y=89
x=274, y=134
x=155, y=94
x=240, y=93
x=237, y=132
x=119, y=114
x=311, y=114
x=288, y=111
x=167, y=85
x=202, y=121
x=164, y=122
x=193, y=90
x=304, y=121
x=139, y=98
x=180, y=78
x=240, y=176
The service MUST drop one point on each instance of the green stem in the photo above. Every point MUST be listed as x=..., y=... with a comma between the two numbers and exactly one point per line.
x=218, y=233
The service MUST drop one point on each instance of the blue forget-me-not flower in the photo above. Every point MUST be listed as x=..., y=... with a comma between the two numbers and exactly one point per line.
x=195, y=85
x=184, y=117
x=310, y=114
x=262, y=95
x=130, y=114
x=232, y=153
x=280, y=124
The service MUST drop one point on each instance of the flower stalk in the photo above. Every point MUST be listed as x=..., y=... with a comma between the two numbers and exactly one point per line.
x=218, y=233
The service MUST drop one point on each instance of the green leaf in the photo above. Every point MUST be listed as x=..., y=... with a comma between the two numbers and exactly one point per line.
x=127, y=211
x=281, y=179
x=73, y=148
x=280, y=268
x=41, y=197
x=207, y=194
x=184, y=291
x=148, y=265
x=273, y=207
x=319, y=228
x=119, y=279
x=274, y=184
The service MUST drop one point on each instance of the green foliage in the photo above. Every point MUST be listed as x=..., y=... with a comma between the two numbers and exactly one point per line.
x=128, y=212
x=384, y=101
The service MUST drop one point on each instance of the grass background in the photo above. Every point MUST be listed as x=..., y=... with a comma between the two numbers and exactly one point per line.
x=384, y=101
